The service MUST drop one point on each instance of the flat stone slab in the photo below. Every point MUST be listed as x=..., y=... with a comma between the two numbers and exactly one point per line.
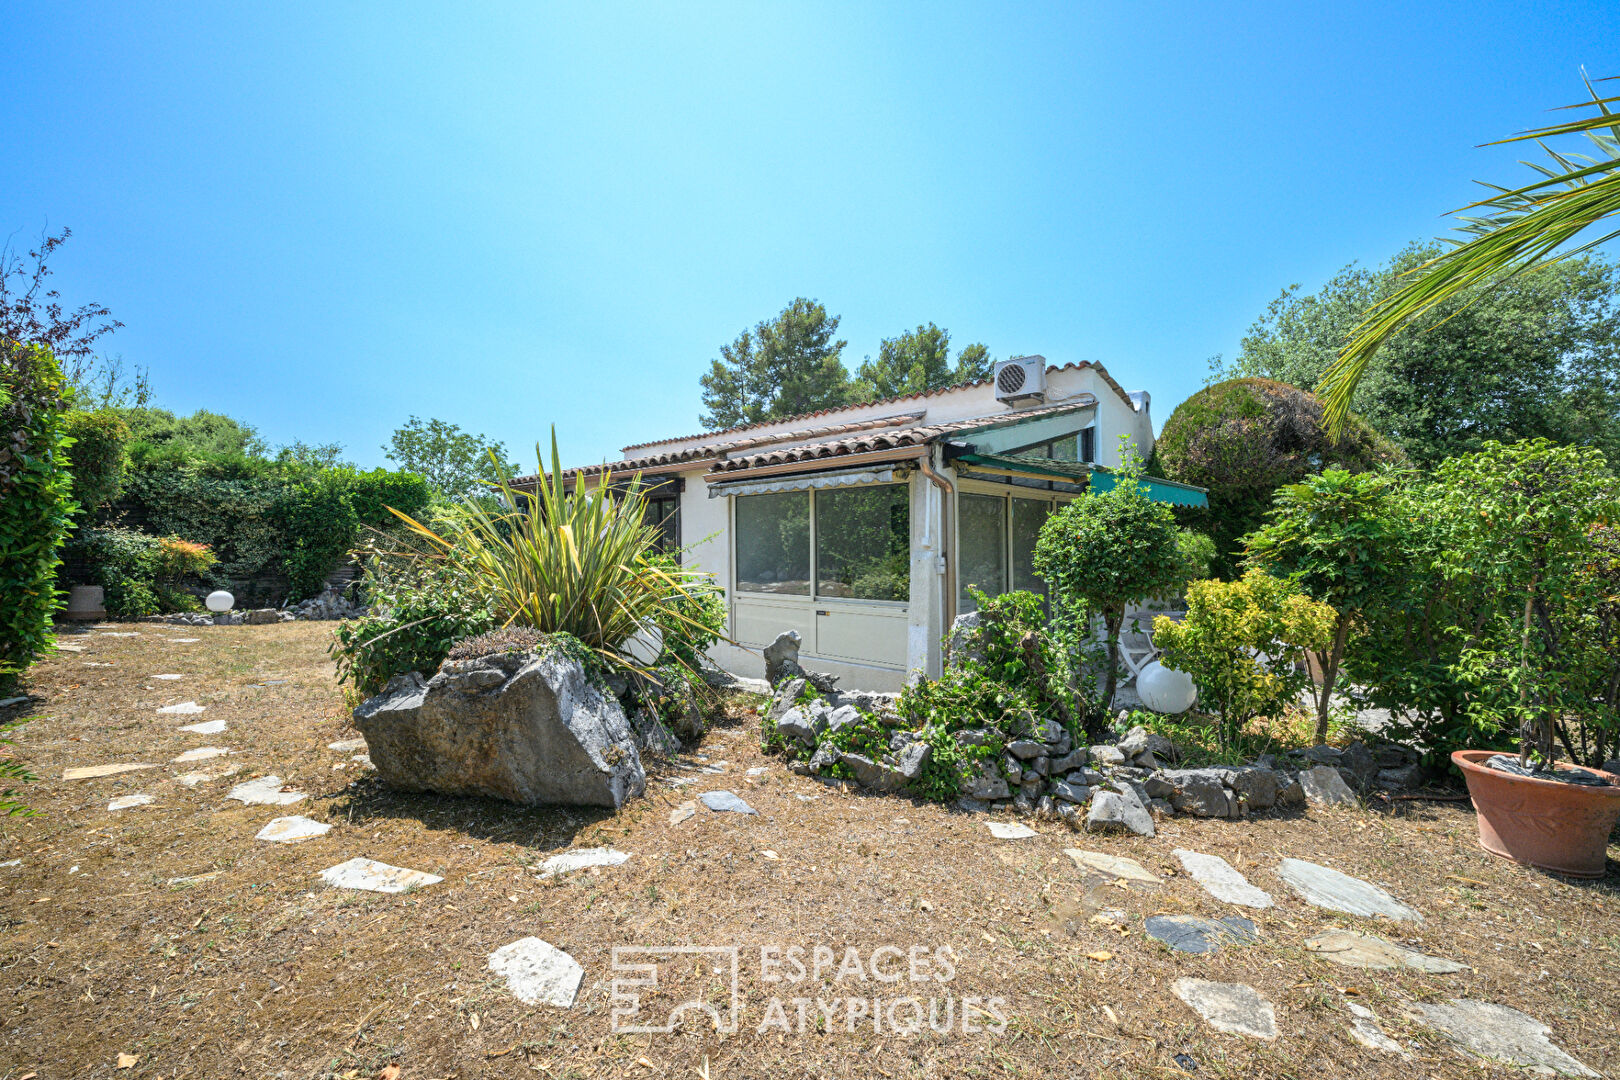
x=1334, y=891
x=185, y=708
x=569, y=861
x=192, y=779
x=115, y=633
x=1221, y=880
x=1009, y=830
x=1498, y=1033
x=90, y=772
x=290, y=830
x=1235, y=1008
x=347, y=746
x=1369, y=951
x=183, y=640
x=166, y=678
x=207, y=727
x=202, y=753
x=1194, y=934
x=720, y=801
x=374, y=876
x=1115, y=866
x=682, y=812
x=10, y=701
x=537, y=972
x=265, y=791
x=1324, y=786
x=62, y=647
x=126, y=802
x=1365, y=1030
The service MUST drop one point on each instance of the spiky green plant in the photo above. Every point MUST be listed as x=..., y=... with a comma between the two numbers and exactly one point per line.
x=568, y=560
x=1516, y=230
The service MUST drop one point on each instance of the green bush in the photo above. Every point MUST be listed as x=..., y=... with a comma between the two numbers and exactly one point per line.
x=374, y=494
x=318, y=526
x=36, y=501
x=696, y=618
x=97, y=455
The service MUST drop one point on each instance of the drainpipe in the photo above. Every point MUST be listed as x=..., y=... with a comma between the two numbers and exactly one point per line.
x=947, y=505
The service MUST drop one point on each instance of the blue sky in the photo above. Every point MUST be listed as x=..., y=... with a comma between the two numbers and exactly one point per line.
x=323, y=218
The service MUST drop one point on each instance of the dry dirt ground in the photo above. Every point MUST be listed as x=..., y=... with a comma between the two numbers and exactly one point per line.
x=168, y=934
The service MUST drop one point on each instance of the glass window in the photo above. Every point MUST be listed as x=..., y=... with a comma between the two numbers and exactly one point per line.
x=1028, y=515
x=863, y=542
x=982, y=558
x=1088, y=444
x=664, y=513
x=773, y=543
x=1065, y=449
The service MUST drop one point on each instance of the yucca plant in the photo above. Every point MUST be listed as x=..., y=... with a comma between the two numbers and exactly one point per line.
x=1517, y=230
x=568, y=561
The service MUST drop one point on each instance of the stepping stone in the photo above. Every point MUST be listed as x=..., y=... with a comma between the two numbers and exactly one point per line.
x=110, y=633
x=1221, y=880
x=682, y=812
x=70, y=648
x=1367, y=951
x=185, y=708
x=290, y=830
x=192, y=779
x=725, y=800
x=1324, y=786
x=1009, y=830
x=1498, y=1033
x=207, y=727
x=758, y=770
x=1340, y=892
x=92, y=663
x=537, y=972
x=1235, y=1008
x=183, y=640
x=579, y=860
x=11, y=862
x=347, y=746
x=265, y=791
x=90, y=772
x=125, y=802
x=373, y=876
x=166, y=678
x=1192, y=934
x=10, y=701
x=1365, y=1030
x=202, y=753
x=1114, y=866
x=682, y=781
x=363, y=760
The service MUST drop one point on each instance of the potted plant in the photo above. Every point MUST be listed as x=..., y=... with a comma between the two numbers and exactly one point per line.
x=1528, y=525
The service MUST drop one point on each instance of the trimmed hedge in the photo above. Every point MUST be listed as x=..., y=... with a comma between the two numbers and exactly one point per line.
x=97, y=455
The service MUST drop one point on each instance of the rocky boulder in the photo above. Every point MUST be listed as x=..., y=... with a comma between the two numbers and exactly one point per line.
x=528, y=727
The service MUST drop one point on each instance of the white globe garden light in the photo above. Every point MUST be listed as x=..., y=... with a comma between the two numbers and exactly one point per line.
x=1165, y=690
x=645, y=645
x=219, y=601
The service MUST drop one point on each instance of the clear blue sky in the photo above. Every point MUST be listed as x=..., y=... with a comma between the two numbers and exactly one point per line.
x=321, y=218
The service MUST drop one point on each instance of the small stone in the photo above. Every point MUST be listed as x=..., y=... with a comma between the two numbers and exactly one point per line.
x=1200, y=792
x=1024, y=749
x=795, y=726
x=1221, y=880
x=1326, y=888
x=1236, y=1008
x=1007, y=830
x=1358, y=766
x=970, y=806
x=1012, y=769
x=290, y=830
x=1368, y=951
x=166, y=678
x=1324, y=786
x=1046, y=809
x=202, y=753
x=1498, y=1033
x=1322, y=754
x=842, y=717
x=1192, y=934
x=1257, y=787
x=1401, y=778
x=207, y=727
x=682, y=812
x=725, y=801
x=185, y=708
x=1118, y=810
x=1135, y=742
x=192, y=779
x=1107, y=755
x=569, y=861
x=1062, y=789
x=265, y=791
x=874, y=774
x=1073, y=760
x=372, y=876
x=986, y=786
x=1113, y=866
x=347, y=746
x=1365, y=1030
x=1292, y=795
x=91, y=772
x=911, y=761
x=126, y=802
x=537, y=973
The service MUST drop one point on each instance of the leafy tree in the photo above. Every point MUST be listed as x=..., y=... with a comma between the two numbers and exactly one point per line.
x=1108, y=549
x=31, y=312
x=456, y=463
x=159, y=433
x=98, y=457
x=1334, y=534
x=1240, y=642
x=299, y=454
x=783, y=367
x=918, y=361
x=1537, y=356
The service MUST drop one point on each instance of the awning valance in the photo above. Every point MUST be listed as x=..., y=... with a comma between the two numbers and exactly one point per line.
x=882, y=474
x=1078, y=472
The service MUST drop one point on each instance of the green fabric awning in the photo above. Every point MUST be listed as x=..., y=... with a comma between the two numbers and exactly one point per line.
x=1078, y=472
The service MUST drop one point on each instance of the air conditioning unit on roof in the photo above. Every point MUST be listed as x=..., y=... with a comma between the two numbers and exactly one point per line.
x=1021, y=378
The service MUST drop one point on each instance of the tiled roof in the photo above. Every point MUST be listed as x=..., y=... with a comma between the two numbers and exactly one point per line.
x=893, y=439
x=1109, y=379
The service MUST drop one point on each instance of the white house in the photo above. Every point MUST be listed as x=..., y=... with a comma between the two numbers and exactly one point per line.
x=862, y=527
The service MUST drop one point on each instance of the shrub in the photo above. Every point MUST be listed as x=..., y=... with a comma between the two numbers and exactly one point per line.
x=1242, y=643
x=696, y=619
x=1244, y=438
x=36, y=501
x=318, y=526
x=375, y=494
x=97, y=456
x=139, y=574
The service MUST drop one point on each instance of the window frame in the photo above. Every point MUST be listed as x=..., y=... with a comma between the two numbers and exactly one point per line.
x=975, y=486
x=814, y=598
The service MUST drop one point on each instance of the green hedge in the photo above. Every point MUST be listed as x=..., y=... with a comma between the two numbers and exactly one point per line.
x=100, y=437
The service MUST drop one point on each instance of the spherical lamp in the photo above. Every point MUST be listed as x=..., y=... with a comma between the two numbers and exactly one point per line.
x=219, y=601
x=645, y=645
x=1165, y=690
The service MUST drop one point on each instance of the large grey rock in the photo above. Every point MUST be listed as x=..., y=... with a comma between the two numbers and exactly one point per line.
x=1257, y=787
x=1328, y=888
x=795, y=726
x=1359, y=766
x=1012, y=769
x=1235, y=1008
x=1074, y=759
x=1107, y=755
x=874, y=774
x=1324, y=786
x=1221, y=879
x=911, y=761
x=1400, y=778
x=782, y=658
x=1025, y=749
x=726, y=802
x=1200, y=792
x=974, y=737
x=1062, y=789
x=1118, y=810
x=962, y=641
x=986, y=785
x=787, y=695
x=842, y=717
x=1498, y=1033
x=541, y=733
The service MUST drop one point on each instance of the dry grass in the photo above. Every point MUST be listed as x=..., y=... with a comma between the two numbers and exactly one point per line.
x=260, y=971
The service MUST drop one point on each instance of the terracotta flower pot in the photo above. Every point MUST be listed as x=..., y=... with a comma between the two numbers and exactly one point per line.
x=1560, y=827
